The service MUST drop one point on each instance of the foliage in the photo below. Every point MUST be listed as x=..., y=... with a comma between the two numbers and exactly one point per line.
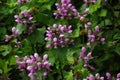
x=90, y=46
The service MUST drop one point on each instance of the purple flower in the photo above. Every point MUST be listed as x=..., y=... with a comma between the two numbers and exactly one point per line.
x=16, y=16
x=108, y=75
x=83, y=49
x=94, y=1
x=92, y=38
x=82, y=18
x=101, y=78
x=45, y=57
x=89, y=23
x=91, y=77
x=48, y=45
x=26, y=19
x=47, y=65
x=64, y=10
x=55, y=36
x=86, y=11
x=97, y=29
x=89, y=55
x=7, y=38
x=39, y=65
x=102, y=40
x=31, y=75
x=44, y=74
x=33, y=64
x=36, y=56
x=31, y=68
x=29, y=61
x=118, y=75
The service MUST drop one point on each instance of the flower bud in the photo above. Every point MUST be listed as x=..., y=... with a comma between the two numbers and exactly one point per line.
x=83, y=49
x=97, y=29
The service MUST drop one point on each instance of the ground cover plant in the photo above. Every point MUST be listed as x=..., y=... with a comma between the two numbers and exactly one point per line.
x=59, y=39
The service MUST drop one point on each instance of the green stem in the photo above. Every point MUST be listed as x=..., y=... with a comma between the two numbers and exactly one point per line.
x=61, y=71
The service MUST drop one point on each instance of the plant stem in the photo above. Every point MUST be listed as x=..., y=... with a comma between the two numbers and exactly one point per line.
x=61, y=71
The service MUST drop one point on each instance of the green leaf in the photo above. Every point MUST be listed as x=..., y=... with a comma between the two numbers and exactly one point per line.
x=59, y=54
x=76, y=32
x=85, y=72
x=7, y=50
x=2, y=48
x=2, y=30
x=21, y=28
x=71, y=51
x=70, y=59
x=44, y=1
x=37, y=36
x=95, y=7
x=24, y=8
x=103, y=13
x=52, y=59
x=69, y=76
x=12, y=60
x=46, y=6
x=117, y=49
x=1, y=71
x=6, y=69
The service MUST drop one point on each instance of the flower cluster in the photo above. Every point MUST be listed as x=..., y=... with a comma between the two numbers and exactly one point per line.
x=93, y=35
x=26, y=19
x=82, y=17
x=65, y=10
x=22, y=1
x=56, y=36
x=34, y=64
x=87, y=2
x=85, y=57
x=15, y=33
x=92, y=77
x=97, y=77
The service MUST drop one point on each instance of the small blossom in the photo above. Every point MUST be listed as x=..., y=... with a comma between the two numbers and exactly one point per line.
x=7, y=38
x=108, y=75
x=55, y=36
x=45, y=74
x=97, y=29
x=33, y=64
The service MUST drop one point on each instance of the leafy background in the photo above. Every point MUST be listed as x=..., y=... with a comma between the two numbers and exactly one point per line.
x=106, y=57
